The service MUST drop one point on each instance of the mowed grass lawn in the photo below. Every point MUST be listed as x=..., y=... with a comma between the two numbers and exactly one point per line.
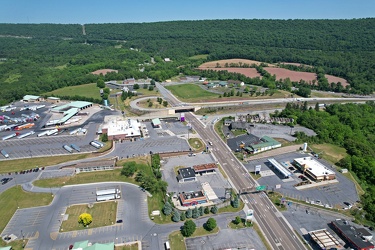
x=191, y=92
x=127, y=247
x=16, y=197
x=87, y=90
x=103, y=214
x=23, y=164
x=82, y=178
x=329, y=152
x=99, y=176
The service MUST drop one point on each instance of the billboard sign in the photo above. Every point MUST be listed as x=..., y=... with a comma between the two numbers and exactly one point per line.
x=257, y=169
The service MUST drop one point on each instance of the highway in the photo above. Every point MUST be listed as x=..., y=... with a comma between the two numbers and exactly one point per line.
x=274, y=226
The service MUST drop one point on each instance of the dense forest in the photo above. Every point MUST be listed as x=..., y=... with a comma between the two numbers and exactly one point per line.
x=351, y=126
x=35, y=58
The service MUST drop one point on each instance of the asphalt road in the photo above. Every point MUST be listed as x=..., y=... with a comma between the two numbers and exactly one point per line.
x=279, y=233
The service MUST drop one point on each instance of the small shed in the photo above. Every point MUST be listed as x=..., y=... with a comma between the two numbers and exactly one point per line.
x=156, y=123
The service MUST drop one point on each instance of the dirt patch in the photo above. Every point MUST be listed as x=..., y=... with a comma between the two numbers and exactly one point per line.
x=248, y=72
x=214, y=64
x=294, y=76
x=337, y=79
x=103, y=71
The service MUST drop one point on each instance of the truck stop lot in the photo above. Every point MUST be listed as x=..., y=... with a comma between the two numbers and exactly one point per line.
x=328, y=194
x=47, y=146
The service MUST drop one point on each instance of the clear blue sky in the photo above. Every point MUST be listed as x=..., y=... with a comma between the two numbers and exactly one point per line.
x=124, y=11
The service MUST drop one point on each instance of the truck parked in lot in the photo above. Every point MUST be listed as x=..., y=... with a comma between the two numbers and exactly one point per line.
x=24, y=126
x=25, y=135
x=4, y=153
x=67, y=148
x=9, y=136
x=52, y=131
x=95, y=144
x=75, y=147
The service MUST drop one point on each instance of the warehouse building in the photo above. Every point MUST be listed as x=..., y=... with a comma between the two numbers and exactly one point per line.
x=314, y=169
x=32, y=98
x=351, y=235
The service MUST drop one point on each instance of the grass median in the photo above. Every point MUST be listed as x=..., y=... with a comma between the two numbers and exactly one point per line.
x=103, y=214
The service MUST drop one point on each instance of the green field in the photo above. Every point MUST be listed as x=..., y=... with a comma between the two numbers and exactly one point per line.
x=177, y=241
x=87, y=90
x=191, y=92
x=197, y=57
x=196, y=144
x=330, y=152
x=103, y=214
x=23, y=164
x=16, y=197
x=13, y=78
x=127, y=247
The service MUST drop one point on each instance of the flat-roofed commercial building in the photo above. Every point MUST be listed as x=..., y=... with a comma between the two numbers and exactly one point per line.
x=186, y=174
x=92, y=166
x=192, y=198
x=205, y=168
x=118, y=129
x=351, y=235
x=314, y=169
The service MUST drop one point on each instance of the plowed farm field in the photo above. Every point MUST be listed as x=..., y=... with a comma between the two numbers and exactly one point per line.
x=294, y=76
x=281, y=73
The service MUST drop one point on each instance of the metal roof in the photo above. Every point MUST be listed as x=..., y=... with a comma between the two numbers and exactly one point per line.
x=30, y=97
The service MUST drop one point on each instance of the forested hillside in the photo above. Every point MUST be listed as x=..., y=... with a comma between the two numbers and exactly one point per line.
x=40, y=57
x=351, y=126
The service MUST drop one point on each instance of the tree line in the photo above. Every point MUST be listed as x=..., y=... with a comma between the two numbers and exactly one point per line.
x=38, y=58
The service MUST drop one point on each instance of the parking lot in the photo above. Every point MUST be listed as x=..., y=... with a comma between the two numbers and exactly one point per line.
x=334, y=194
x=274, y=131
x=227, y=239
x=216, y=180
x=315, y=219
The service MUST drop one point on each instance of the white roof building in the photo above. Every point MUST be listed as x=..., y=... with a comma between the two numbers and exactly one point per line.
x=116, y=128
x=314, y=168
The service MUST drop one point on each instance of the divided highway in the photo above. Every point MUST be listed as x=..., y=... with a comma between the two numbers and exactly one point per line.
x=274, y=226
x=279, y=234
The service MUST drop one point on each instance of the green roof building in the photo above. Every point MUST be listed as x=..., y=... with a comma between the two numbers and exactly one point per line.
x=84, y=245
x=266, y=143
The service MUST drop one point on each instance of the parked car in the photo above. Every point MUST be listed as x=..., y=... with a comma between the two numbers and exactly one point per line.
x=119, y=221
